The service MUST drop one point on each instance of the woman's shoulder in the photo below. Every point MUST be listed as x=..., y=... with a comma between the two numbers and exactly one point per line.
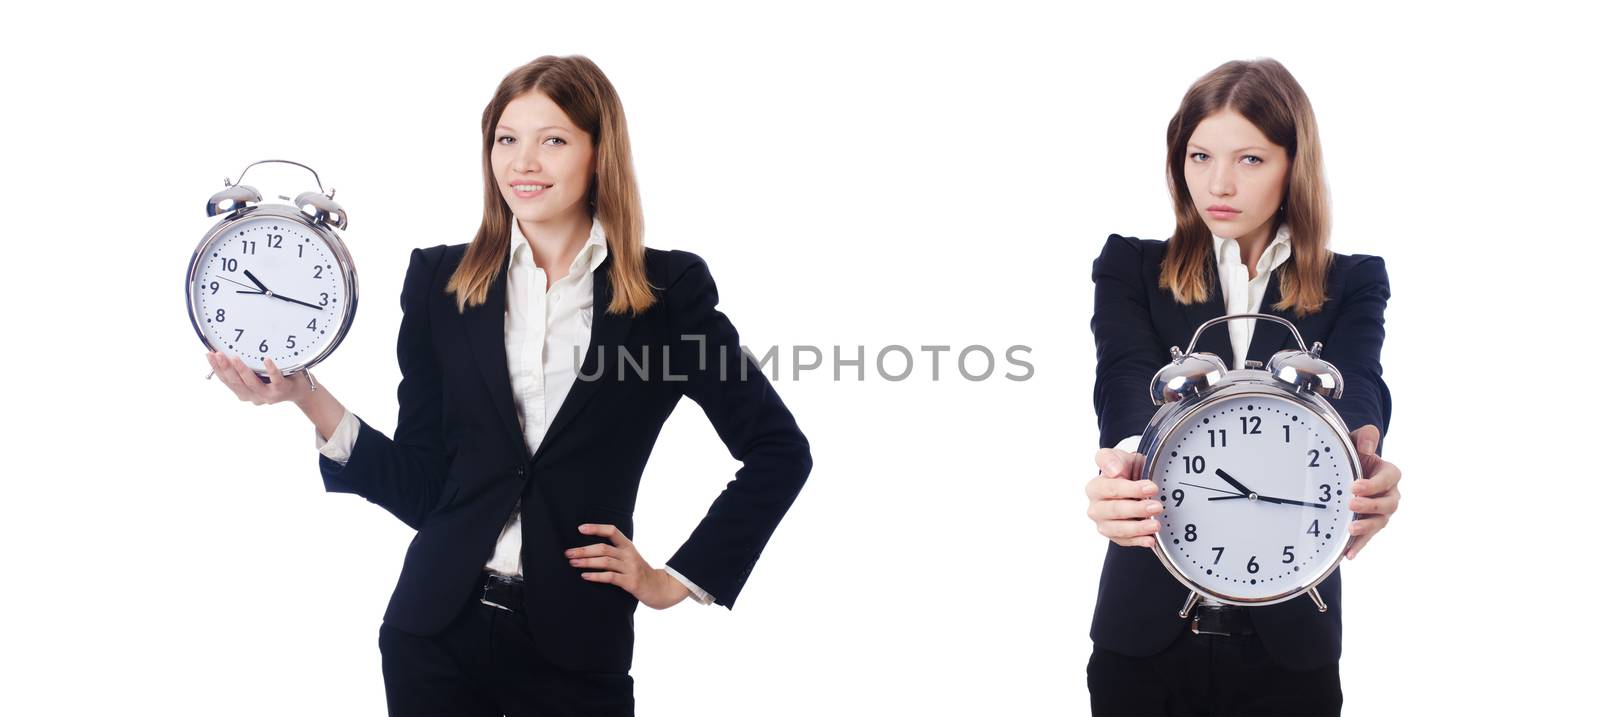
x=1354, y=273
x=1122, y=254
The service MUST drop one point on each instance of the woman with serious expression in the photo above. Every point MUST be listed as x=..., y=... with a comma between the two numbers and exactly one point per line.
x=1237, y=178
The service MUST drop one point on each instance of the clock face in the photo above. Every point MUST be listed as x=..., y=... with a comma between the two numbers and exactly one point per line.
x=269, y=287
x=1255, y=491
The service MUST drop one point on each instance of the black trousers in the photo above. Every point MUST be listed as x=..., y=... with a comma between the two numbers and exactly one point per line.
x=1209, y=675
x=485, y=663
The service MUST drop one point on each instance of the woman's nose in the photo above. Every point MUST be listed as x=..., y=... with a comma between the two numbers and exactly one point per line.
x=1221, y=181
x=526, y=161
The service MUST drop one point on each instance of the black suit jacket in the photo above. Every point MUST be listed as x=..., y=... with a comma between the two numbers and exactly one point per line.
x=459, y=462
x=1135, y=322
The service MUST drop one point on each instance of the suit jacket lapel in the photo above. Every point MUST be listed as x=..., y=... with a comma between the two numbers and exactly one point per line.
x=486, y=334
x=1215, y=339
x=606, y=332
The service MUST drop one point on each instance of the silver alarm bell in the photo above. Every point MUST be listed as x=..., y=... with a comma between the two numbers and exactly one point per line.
x=1187, y=375
x=234, y=198
x=1306, y=371
x=321, y=208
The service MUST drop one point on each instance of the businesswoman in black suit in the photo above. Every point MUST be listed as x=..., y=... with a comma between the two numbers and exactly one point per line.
x=517, y=463
x=1244, y=165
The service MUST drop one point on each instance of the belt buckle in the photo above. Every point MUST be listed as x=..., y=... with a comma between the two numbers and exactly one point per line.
x=483, y=596
x=1194, y=625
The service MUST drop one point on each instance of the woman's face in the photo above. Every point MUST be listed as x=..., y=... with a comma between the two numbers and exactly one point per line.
x=1236, y=176
x=537, y=147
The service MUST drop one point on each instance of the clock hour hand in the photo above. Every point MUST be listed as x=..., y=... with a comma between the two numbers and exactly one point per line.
x=254, y=280
x=1236, y=484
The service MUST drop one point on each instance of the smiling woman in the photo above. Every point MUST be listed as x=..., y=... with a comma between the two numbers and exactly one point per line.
x=516, y=473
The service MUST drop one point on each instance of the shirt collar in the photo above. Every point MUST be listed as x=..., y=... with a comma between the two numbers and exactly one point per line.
x=1276, y=253
x=589, y=256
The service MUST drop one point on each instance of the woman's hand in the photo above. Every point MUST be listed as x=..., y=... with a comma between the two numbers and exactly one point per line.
x=248, y=387
x=1119, y=503
x=625, y=568
x=1377, y=495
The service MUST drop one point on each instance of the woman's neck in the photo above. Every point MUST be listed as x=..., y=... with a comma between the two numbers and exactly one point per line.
x=556, y=242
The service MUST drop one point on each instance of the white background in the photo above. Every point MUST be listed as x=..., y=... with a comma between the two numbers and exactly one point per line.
x=912, y=174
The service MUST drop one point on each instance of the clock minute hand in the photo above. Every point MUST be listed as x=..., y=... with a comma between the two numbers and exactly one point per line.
x=296, y=301
x=1286, y=501
x=1236, y=484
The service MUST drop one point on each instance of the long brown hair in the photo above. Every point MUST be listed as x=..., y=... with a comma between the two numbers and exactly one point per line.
x=1266, y=94
x=582, y=91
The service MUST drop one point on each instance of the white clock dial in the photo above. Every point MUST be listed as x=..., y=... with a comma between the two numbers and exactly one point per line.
x=269, y=287
x=1255, y=491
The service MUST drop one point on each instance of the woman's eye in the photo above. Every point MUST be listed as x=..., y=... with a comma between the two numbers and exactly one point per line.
x=557, y=140
x=1198, y=156
x=1252, y=160
x=497, y=139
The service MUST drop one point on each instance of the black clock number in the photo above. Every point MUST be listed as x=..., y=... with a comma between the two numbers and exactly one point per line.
x=324, y=301
x=263, y=347
x=312, y=325
x=230, y=264
x=1314, y=459
x=1177, y=495
x=1189, y=534
x=291, y=341
x=222, y=315
x=1194, y=464
x=1215, y=435
x=1219, y=556
x=1252, y=566
x=214, y=287
x=318, y=275
x=302, y=249
x=275, y=241
x=1285, y=433
x=1313, y=530
x=238, y=334
x=1250, y=425
x=1288, y=554
x=247, y=247
x=1327, y=491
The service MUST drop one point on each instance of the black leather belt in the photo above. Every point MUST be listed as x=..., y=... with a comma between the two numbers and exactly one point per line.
x=1221, y=620
x=501, y=591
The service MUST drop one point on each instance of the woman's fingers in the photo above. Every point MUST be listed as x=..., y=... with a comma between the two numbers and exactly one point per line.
x=1120, y=509
x=607, y=531
x=1115, y=529
x=605, y=562
x=594, y=551
x=1385, y=504
x=1113, y=488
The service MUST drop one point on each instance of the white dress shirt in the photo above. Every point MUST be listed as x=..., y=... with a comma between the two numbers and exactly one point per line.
x=545, y=330
x=1240, y=294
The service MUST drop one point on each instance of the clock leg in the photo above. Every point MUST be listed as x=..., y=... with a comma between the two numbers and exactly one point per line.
x=1316, y=597
x=1188, y=605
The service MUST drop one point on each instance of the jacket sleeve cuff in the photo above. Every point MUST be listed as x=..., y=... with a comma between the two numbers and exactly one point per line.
x=700, y=596
x=338, y=446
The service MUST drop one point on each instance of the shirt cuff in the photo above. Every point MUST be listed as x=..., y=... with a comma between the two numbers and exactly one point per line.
x=1130, y=444
x=338, y=446
x=700, y=596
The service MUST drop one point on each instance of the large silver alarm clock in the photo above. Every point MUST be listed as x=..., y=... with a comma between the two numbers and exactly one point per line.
x=1253, y=467
x=272, y=280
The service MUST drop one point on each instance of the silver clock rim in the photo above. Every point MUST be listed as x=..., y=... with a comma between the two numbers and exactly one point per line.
x=1248, y=385
x=347, y=271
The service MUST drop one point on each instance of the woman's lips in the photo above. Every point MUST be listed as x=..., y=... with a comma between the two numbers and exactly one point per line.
x=1223, y=214
x=529, y=195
